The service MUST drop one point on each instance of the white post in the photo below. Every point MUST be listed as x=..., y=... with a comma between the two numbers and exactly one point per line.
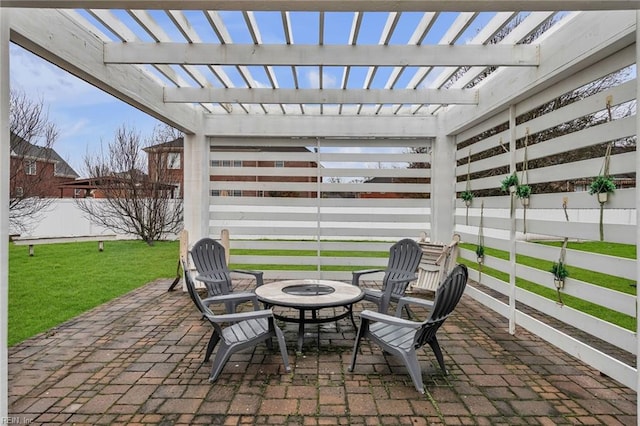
x=196, y=186
x=4, y=211
x=512, y=230
x=637, y=222
x=443, y=187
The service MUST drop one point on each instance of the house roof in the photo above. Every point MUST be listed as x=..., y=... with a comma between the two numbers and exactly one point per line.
x=178, y=145
x=106, y=181
x=24, y=149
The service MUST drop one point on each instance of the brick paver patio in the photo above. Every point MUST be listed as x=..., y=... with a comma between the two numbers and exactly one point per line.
x=138, y=360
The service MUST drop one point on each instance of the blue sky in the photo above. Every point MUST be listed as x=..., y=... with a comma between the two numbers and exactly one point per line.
x=88, y=117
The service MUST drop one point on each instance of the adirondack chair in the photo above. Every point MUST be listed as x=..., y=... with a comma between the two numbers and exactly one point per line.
x=438, y=259
x=402, y=338
x=209, y=258
x=243, y=330
x=404, y=258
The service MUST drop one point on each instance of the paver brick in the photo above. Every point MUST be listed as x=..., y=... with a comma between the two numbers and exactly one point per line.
x=146, y=368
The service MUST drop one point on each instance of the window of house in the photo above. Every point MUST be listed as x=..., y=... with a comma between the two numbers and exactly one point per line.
x=215, y=192
x=173, y=160
x=30, y=167
x=19, y=191
x=77, y=192
x=279, y=163
x=226, y=163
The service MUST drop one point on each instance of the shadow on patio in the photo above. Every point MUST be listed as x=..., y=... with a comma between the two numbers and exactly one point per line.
x=137, y=360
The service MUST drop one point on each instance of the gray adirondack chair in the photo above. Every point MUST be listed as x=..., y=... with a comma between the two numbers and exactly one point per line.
x=402, y=338
x=243, y=330
x=404, y=258
x=209, y=258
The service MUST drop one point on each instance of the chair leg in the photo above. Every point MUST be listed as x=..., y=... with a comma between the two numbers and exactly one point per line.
x=283, y=349
x=364, y=325
x=411, y=361
x=213, y=341
x=438, y=353
x=221, y=358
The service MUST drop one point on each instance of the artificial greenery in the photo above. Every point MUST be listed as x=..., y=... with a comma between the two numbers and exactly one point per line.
x=602, y=184
x=466, y=195
x=523, y=191
x=559, y=271
x=509, y=181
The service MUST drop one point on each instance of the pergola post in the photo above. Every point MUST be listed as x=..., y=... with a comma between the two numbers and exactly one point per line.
x=196, y=186
x=4, y=210
x=512, y=228
x=443, y=187
x=637, y=217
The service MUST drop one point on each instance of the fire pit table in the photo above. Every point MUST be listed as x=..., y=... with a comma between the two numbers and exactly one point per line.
x=310, y=296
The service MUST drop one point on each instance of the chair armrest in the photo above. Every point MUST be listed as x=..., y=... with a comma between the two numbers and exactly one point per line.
x=356, y=275
x=242, y=316
x=388, y=319
x=232, y=297
x=257, y=274
x=406, y=300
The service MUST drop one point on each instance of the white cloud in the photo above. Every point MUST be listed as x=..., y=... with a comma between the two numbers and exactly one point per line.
x=328, y=80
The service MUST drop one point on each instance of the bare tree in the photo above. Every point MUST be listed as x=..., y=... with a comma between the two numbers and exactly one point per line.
x=32, y=136
x=133, y=194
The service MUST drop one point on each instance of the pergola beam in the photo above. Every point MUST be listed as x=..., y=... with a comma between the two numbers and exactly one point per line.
x=77, y=51
x=337, y=5
x=321, y=96
x=327, y=55
x=560, y=60
x=321, y=126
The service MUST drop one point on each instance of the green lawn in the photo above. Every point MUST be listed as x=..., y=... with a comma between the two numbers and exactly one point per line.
x=64, y=280
x=604, y=280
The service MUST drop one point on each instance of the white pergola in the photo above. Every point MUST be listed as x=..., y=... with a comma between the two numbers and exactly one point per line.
x=402, y=69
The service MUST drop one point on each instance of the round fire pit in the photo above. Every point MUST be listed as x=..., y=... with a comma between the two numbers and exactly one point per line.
x=308, y=290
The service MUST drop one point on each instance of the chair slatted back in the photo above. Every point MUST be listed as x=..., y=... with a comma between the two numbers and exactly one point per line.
x=209, y=259
x=404, y=258
x=447, y=297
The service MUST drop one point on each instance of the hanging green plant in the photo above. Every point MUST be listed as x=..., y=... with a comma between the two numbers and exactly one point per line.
x=467, y=196
x=480, y=253
x=602, y=186
x=510, y=183
x=560, y=272
x=523, y=191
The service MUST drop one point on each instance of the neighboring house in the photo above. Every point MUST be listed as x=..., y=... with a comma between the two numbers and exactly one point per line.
x=174, y=162
x=37, y=171
x=118, y=183
x=397, y=180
